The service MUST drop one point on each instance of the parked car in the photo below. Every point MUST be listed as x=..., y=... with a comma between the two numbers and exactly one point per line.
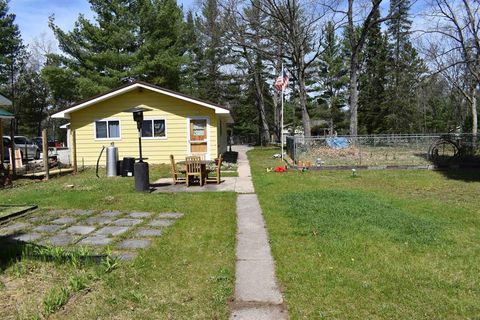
x=23, y=144
x=51, y=143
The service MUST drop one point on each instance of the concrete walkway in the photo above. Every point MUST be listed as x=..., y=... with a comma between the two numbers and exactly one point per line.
x=257, y=295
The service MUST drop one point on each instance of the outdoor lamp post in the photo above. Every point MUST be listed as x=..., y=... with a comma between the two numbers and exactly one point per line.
x=140, y=169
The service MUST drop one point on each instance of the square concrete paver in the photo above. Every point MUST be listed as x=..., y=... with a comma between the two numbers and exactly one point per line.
x=14, y=227
x=149, y=233
x=37, y=219
x=161, y=223
x=64, y=220
x=47, y=228
x=134, y=244
x=98, y=220
x=58, y=212
x=82, y=212
x=96, y=241
x=140, y=214
x=111, y=214
x=126, y=222
x=171, y=215
x=125, y=256
x=80, y=229
x=111, y=231
x=59, y=240
x=26, y=237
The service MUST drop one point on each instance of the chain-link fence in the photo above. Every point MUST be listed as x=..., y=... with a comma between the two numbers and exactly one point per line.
x=383, y=150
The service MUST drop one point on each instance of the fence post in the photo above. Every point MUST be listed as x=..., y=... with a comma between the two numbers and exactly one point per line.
x=13, y=158
x=2, y=155
x=74, y=150
x=294, y=150
x=45, y=153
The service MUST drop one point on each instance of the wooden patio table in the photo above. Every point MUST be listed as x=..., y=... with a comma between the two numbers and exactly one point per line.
x=203, y=164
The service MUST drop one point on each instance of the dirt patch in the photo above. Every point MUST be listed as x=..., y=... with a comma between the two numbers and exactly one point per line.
x=23, y=288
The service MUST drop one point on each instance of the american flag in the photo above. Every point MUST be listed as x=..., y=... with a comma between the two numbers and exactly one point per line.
x=282, y=81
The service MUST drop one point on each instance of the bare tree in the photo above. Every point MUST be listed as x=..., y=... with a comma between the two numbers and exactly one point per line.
x=244, y=33
x=458, y=25
x=295, y=27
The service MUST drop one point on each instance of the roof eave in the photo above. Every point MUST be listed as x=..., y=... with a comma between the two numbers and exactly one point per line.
x=65, y=114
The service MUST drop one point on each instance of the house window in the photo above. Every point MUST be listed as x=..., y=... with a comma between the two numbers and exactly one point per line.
x=153, y=128
x=107, y=129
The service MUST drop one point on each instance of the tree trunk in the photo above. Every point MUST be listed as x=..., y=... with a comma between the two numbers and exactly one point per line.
x=474, y=111
x=265, y=131
x=353, y=96
x=302, y=95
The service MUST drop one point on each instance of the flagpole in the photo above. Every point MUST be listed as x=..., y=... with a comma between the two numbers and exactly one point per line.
x=281, y=119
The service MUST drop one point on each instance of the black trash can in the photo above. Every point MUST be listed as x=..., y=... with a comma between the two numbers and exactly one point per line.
x=120, y=168
x=142, y=178
x=128, y=164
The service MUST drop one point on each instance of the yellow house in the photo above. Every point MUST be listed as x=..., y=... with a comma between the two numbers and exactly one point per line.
x=176, y=124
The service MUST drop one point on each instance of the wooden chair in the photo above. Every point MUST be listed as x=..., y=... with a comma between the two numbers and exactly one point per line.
x=194, y=169
x=200, y=155
x=216, y=170
x=176, y=172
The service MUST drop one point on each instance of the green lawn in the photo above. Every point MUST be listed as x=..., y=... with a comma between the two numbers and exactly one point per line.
x=187, y=273
x=383, y=245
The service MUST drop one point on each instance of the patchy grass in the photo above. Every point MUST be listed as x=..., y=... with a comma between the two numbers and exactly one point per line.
x=384, y=245
x=187, y=273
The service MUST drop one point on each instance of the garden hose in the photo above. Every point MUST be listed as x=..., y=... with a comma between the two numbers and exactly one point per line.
x=98, y=161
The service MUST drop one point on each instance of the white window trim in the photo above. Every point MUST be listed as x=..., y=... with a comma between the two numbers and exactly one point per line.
x=189, y=145
x=156, y=138
x=107, y=139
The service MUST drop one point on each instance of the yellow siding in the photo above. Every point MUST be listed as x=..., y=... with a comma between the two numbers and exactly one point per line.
x=222, y=134
x=173, y=110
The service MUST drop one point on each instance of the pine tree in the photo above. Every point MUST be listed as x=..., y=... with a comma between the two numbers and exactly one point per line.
x=102, y=54
x=210, y=38
x=161, y=53
x=373, y=78
x=405, y=71
x=333, y=81
x=13, y=56
x=33, y=97
x=131, y=40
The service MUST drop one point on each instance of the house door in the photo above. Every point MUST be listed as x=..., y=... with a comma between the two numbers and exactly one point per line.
x=198, y=136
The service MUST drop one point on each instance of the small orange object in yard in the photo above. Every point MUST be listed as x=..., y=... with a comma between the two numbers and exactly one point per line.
x=280, y=169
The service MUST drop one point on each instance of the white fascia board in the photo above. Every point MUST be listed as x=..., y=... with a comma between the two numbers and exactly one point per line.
x=65, y=114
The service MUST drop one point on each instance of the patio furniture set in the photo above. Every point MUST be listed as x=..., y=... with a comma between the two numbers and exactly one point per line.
x=195, y=169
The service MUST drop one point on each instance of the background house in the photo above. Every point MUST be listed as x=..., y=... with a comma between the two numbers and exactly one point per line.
x=177, y=124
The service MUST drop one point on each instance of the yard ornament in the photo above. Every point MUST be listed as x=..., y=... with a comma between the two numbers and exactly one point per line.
x=280, y=169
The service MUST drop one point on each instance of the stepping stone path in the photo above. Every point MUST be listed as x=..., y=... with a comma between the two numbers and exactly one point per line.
x=27, y=237
x=126, y=232
x=65, y=220
x=47, y=228
x=134, y=244
x=126, y=222
x=140, y=214
x=111, y=231
x=149, y=232
x=111, y=214
x=161, y=223
x=14, y=228
x=61, y=240
x=80, y=229
x=82, y=212
x=96, y=241
x=98, y=220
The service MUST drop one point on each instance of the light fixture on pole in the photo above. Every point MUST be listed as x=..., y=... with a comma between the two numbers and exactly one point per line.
x=140, y=169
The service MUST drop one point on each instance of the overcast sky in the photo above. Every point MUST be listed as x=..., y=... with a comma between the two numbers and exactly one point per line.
x=32, y=15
